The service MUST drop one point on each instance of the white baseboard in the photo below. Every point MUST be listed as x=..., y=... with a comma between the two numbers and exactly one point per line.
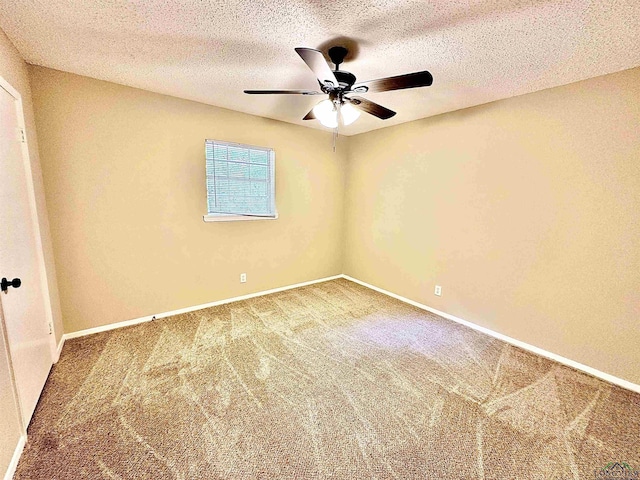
x=16, y=458
x=148, y=318
x=58, y=350
x=518, y=343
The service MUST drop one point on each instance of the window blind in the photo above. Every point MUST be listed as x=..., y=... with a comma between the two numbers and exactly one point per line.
x=240, y=179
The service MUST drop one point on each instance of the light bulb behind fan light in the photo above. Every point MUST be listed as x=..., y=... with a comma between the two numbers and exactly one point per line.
x=349, y=113
x=326, y=112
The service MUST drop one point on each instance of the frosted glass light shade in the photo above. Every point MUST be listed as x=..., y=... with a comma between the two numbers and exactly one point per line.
x=326, y=112
x=349, y=113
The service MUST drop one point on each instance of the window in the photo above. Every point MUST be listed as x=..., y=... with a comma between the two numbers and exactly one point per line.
x=240, y=182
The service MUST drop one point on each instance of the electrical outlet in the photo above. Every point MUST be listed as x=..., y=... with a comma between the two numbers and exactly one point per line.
x=438, y=290
x=243, y=278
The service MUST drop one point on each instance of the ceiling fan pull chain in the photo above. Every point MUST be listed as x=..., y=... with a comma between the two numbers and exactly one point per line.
x=335, y=131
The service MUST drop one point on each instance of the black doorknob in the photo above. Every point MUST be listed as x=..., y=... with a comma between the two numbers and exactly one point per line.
x=5, y=284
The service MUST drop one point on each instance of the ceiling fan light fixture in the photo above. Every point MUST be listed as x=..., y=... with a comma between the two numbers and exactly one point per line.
x=349, y=113
x=327, y=113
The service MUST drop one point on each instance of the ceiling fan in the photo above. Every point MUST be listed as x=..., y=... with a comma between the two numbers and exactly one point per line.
x=343, y=104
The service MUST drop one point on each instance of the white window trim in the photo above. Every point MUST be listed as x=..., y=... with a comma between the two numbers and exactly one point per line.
x=229, y=217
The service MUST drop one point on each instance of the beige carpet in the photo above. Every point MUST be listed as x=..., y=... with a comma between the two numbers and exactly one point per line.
x=330, y=381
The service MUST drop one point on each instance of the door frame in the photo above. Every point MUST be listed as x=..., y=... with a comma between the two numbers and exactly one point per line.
x=14, y=385
x=35, y=224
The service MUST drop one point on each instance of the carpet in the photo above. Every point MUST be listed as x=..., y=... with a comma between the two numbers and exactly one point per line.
x=328, y=381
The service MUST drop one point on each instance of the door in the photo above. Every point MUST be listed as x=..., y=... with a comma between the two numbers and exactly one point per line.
x=24, y=307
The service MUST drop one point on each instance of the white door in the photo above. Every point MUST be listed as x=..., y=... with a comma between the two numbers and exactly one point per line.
x=24, y=307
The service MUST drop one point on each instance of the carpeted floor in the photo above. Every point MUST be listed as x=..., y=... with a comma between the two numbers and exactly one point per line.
x=328, y=381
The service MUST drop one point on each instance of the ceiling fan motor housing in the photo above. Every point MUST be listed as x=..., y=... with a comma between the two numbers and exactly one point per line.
x=345, y=79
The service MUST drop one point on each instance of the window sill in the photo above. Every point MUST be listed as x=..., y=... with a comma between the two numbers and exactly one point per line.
x=234, y=218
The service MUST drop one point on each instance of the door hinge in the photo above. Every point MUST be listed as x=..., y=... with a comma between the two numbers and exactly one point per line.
x=22, y=135
x=50, y=328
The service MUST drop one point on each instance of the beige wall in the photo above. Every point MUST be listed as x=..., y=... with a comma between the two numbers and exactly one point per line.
x=525, y=211
x=125, y=181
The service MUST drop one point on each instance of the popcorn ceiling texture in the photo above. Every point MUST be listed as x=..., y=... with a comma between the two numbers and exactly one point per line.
x=478, y=51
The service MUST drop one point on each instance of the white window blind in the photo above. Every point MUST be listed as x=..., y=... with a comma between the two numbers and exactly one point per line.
x=240, y=180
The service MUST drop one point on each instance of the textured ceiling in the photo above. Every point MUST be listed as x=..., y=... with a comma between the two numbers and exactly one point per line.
x=209, y=51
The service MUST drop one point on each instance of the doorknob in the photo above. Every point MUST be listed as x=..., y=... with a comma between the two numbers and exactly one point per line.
x=5, y=284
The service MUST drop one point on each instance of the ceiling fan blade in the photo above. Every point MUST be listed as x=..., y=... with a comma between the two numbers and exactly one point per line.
x=371, y=107
x=282, y=92
x=309, y=116
x=410, y=80
x=316, y=62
